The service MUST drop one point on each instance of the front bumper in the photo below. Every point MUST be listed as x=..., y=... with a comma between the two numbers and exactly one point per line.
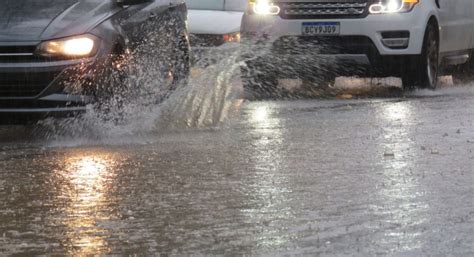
x=373, y=26
x=11, y=116
x=33, y=89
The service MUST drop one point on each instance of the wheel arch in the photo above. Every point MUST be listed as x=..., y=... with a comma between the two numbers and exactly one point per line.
x=431, y=17
x=433, y=20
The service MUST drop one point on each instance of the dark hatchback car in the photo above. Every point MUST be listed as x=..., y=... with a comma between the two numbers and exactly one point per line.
x=48, y=45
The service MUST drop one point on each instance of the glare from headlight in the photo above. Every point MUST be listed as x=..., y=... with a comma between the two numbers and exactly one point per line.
x=235, y=37
x=265, y=7
x=81, y=46
x=78, y=47
x=393, y=6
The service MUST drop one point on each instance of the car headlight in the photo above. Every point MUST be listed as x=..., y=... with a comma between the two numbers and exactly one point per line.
x=71, y=47
x=263, y=7
x=393, y=6
x=234, y=37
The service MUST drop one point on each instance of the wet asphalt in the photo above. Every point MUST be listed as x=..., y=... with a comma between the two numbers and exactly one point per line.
x=321, y=177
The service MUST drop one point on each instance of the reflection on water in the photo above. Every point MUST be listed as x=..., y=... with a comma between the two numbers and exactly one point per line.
x=401, y=190
x=268, y=138
x=270, y=182
x=260, y=115
x=88, y=177
x=397, y=112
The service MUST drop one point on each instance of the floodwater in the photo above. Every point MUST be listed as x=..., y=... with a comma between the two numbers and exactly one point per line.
x=210, y=174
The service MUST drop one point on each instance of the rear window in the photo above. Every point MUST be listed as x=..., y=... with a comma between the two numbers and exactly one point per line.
x=217, y=5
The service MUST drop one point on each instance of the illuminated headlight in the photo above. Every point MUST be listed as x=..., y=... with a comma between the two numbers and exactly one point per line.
x=72, y=47
x=393, y=6
x=263, y=7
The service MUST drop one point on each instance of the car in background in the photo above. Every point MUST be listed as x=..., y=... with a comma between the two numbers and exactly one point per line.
x=320, y=39
x=215, y=22
x=57, y=56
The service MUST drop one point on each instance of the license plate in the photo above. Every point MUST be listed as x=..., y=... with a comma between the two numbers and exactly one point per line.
x=321, y=28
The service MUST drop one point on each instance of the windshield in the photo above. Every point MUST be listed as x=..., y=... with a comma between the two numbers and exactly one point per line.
x=217, y=5
x=11, y=10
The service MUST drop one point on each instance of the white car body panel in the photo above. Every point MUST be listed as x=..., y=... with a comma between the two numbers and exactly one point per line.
x=455, y=17
x=371, y=26
x=214, y=22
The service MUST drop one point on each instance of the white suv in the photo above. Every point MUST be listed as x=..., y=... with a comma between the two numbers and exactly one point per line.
x=215, y=22
x=320, y=39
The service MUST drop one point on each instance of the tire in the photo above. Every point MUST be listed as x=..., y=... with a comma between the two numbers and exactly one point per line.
x=259, y=83
x=423, y=71
x=165, y=57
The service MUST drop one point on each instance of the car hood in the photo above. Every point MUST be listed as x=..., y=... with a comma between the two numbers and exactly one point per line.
x=35, y=20
x=214, y=22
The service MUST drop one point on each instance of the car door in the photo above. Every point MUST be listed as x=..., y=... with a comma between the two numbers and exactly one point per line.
x=471, y=26
x=456, y=21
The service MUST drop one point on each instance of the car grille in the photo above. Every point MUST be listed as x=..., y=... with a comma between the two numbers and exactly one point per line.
x=324, y=9
x=23, y=84
x=9, y=54
x=320, y=45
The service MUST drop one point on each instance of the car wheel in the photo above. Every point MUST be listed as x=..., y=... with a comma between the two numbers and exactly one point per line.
x=161, y=60
x=423, y=71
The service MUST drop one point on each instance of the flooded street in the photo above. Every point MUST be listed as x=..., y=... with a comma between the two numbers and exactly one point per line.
x=237, y=128
x=369, y=177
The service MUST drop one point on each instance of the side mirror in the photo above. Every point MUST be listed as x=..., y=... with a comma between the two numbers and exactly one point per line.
x=130, y=2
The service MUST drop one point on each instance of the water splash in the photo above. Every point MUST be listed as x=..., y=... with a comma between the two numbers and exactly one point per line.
x=208, y=100
x=205, y=101
x=212, y=95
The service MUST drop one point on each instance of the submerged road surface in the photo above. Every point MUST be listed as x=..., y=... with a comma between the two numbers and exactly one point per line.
x=320, y=177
